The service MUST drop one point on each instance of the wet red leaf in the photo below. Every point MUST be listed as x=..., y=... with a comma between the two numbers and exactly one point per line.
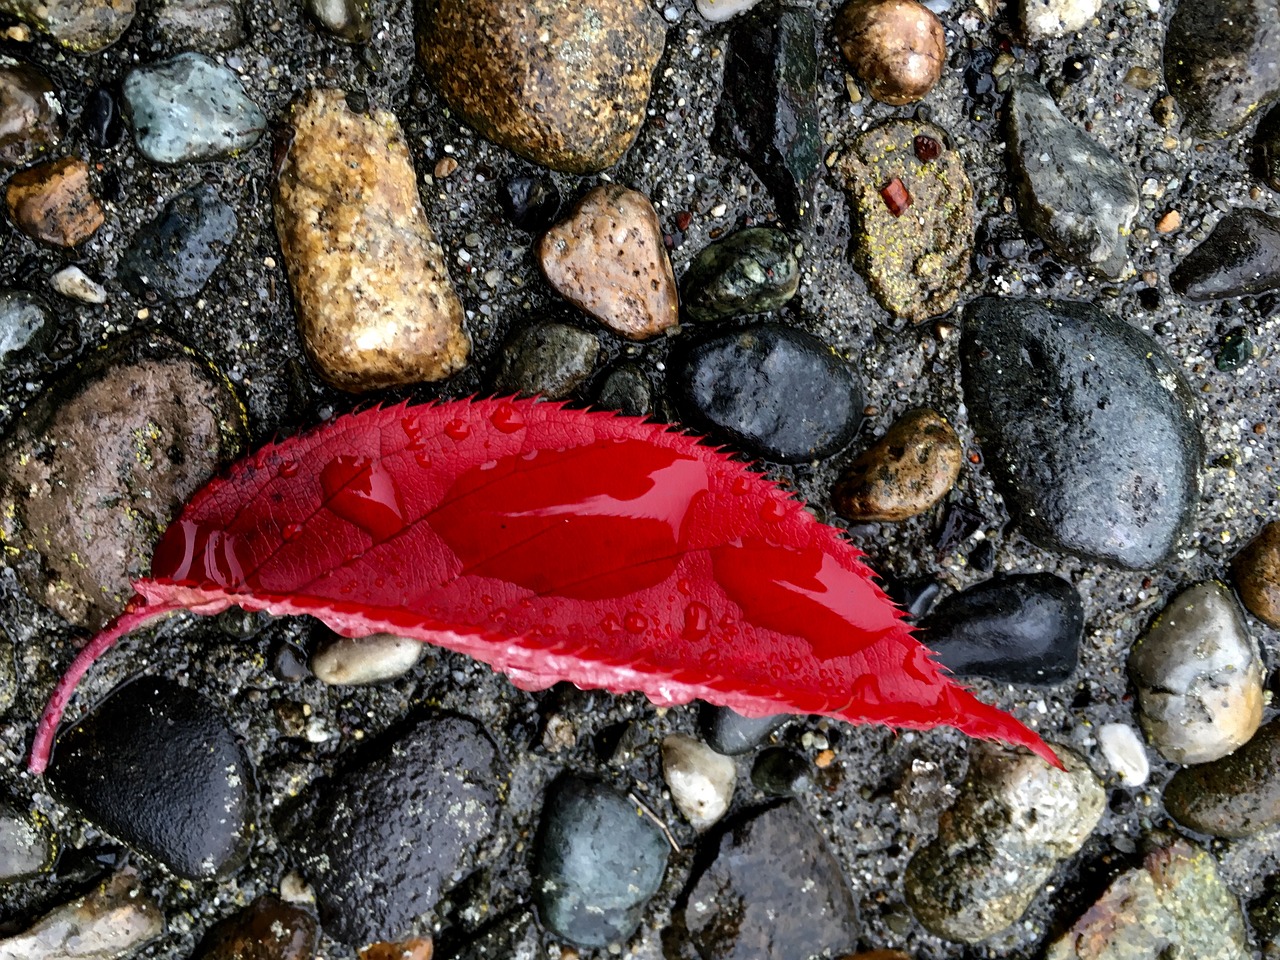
x=553, y=544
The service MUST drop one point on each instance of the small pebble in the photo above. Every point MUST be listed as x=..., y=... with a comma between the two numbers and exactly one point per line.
x=627, y=390
x=701, y=781
x=25, y=323
x=1170, y=222
x=1234, y=796
x=732, y=734
x=1257, y=573
x=267, y=929
x=101, y=118
x=1125, y=753
x=751, y=271
x=549, y=359
x=898, y=48
x=27, y=844
x=1045, y=19
x=362, y=661
x=349, y=20
x=904, y=473
x=75, y=284
x=781, y=772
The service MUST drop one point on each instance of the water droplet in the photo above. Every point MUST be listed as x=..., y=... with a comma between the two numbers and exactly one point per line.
x=685, y=586
x=363, y=492
x=291, y=530
x=423, y=459
x=773, y=510
x=190, y=552
x=740, y=485
x=611, y=625
x=457, y=429
x=507, y=418
x=636, y=622
x=289, y=468
x=412, y=427
x=697, y=621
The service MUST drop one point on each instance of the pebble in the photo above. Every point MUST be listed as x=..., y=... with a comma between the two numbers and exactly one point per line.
x=530, y=202
x=768, y=110
x=904, y=473
x=74, y=284
x=537, y=78
x=751, y=271
x=718, y=11
x=25, y=323
x=626, y=389
x=915, y=260
x=781, y=772
x=188, y=109
x=1241, y=257
x=1266, y=148
x=1125, y=753
x=597, y=865
x=1176, y=902
x=732, y=734
x=701, y=781
x=1198, y=676
x=1072, y=191
x=1071, y=466
x=54, y=203
x=113, y=921
x=608, y=260
x=1256, y=569
x=777, y=392
x=415, y=948
x=1045, y=19
x=1234, y=796
x=550, y=359
x=267, y=929
x=771, y=891
x=31, y=120
x=1020, y=629
x=361, y=661
x=176, y=253
x=346, y=204
x=388, y=836
x=101, y=118
x=898, y=48
x=80, y=519
x=199, y=24
x=83, y=26
x=1014, y=820
x=1220, y=63
x=27, y=847
x=349, y=20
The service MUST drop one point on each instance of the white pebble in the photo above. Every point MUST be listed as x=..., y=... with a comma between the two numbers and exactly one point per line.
x=1124, y=753
x=354, y=662
x=701, y=781
x=720, y=10
x=74, y=283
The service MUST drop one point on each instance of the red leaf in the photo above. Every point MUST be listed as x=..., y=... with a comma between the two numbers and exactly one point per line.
x=553, y=544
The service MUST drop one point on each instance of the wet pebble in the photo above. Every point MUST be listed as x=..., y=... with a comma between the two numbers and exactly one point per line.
x=190, y=108
x=31, y=120
x=360, y=661
x=1073, y=469
x=781, y=772
x=176, y=253
x=25, y=323
x=626, y=389
x=898, y=48
x=1020, y=629
x=732, y=734
x=1239, y=258
x=1079, y=198
x=1257, y=575
x=267, y=929
x=54, y=202
x=717, y=11
x=1014, y=819
x=199, y=24
x=530, y=202
x=777, y=392
x=1198, y=675
x=348, y=20
x=598, y=863
x=156, y=765
x=83, y=26
x=26, y=844
x=902, y=474
x=74, y=284
x=1125, y=753
x=751, y=271
x=771, y=891
x=415, y=948
x=1266, y=148
x=607, y=259
x=113, y=921
x=1234, y=796
x=101, y=118
x=551, y=359
x=701, y=781
x=1044, y=19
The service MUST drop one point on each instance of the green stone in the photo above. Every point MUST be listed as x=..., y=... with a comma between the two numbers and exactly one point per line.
x=751, y=271
x=1235, y=350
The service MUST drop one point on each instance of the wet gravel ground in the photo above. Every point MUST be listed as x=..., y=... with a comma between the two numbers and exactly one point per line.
x=244, y=323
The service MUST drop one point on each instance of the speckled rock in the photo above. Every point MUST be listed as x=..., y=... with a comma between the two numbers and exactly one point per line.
x=54, y=203
x=360, y=661
x=190, y=108
x=701, y=781
x=199, y=24
x=732, y=734
x=626, y=389
x=349, y=20
x=562, y=83
x=156, y=765
x=27, y=847
x=915, y=260
x=1256, y=569
x=74, y=284
x=608, y=260
x=1079, y=198
x=1045, y=19
x=1014, y=819
x=898, y=48
x=346, y=204
x=771, y=891
x=85, y=26
x=1198, y=676
x=551, y=359
x=597, y=865
x=267, y=929
x=902, y=474
x=31, y=119
x=1241, y=257
x=781, y=772
x=1234, y=796
x=25, y=323
x=116, y=920
x=1071, y=466
x=776, y=392
x=1176, y=903
x=173, y=423
x=1220, y=62
x=751, y=271
x=176, y=253
x=389, y=836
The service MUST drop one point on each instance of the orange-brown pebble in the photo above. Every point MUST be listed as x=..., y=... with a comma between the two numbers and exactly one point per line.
x=607, y=258
x=375, y=305
x=824, y=759
x=1170, y=222
x=54, y=202
x=445, y=167
x=1257, y=575
x=418, y=948
x=896, y=47
x=904, y=473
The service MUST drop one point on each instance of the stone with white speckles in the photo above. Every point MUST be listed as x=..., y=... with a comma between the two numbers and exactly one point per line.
x=1043, y=19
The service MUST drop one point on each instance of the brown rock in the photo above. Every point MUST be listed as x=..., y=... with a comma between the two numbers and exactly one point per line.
x=375, y=305
x=267, y=929
x=85, y=26
x=418, y=948
x=896, y=47
x=115, y=920
x=1257, y=575
x=54, y=202
x=30, y=114
x=607, y=259
x=562, y=82
x=904, y=473
x=95, y=470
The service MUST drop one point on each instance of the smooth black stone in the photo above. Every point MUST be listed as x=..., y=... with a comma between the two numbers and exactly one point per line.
x=779, y=772
x=777, y=392
x=1087, y=426
x=627, y=390
x=531, y=203
x=384, y=840
x=1024, y=628
x=176, y=254
x=1241, y=257
x=102, y=122
x=768, y=113
x=157, y=766
x=729, y=732
x=597, y=863
x=1266, y=149
x=1075, y=69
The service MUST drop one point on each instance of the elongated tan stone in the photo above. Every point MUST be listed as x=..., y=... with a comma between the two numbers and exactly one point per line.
x=375, y=305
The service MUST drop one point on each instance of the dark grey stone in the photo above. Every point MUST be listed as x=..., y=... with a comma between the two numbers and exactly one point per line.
x=627, y=390
x=729, y=732
x=1266, y=148
x=751, y=271
x=550, y=359
x=177, y=253
x=1239, y=258
x=780, y=772
x=1235, y=796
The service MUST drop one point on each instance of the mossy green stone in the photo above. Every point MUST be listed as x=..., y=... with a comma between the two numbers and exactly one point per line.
x=751, y=271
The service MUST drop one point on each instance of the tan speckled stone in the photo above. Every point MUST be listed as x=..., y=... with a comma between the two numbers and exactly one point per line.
x=607, y=259
x=562, y=82
x=904, y=473
x=375, y=305
x=54, y=202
